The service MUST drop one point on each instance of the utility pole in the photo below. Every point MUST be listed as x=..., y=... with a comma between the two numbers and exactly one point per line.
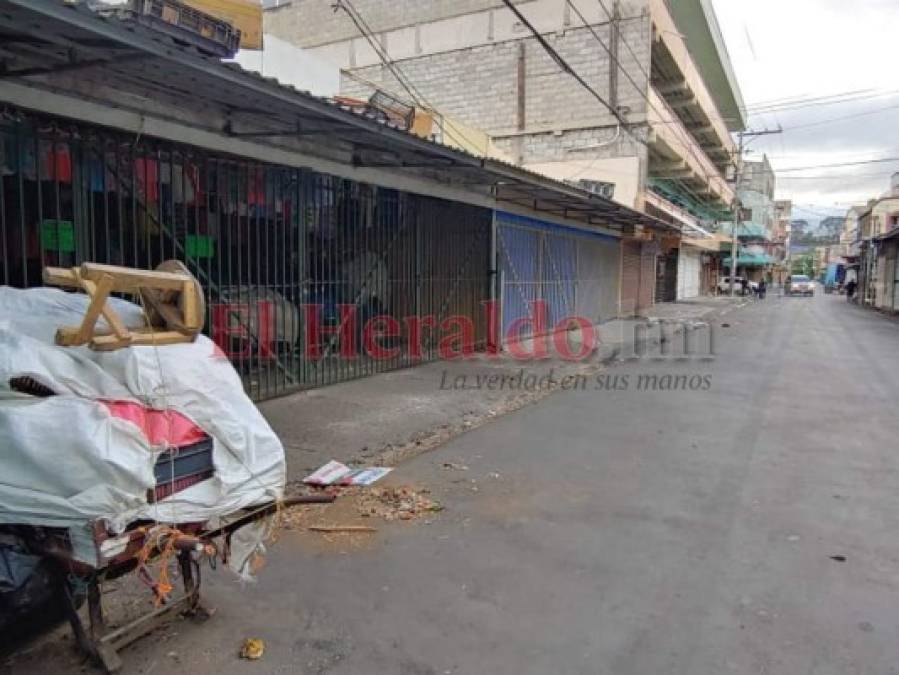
x=737, y=206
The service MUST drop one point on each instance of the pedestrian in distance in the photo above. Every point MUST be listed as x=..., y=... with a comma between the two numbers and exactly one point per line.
x=744, y=285
x=850, y=290
x=763, y=289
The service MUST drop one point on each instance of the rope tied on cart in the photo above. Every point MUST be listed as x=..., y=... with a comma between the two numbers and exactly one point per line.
x=161, y=539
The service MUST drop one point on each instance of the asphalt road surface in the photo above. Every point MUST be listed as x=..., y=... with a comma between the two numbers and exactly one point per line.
x=744, y=522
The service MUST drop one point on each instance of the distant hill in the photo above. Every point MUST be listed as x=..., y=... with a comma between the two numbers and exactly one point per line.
x=826, y=231
x=830, y=227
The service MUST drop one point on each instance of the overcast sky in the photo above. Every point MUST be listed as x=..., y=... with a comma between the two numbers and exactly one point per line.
x=808, y=48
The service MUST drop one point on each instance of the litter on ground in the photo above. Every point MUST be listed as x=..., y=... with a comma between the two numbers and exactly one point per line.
x=337, y=473
x=252, y=649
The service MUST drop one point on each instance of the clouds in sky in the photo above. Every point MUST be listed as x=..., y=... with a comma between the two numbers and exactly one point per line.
x=807, y=48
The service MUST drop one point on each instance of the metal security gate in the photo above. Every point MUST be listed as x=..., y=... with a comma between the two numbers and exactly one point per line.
x=666, y=276
x=541, y=261
x=310, y=279
x=648, y=256
x=630, y=277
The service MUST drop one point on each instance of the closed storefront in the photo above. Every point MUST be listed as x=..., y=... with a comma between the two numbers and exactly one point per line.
x=689, y=273
x=887, y=286
x=631, y=266
x=895, y=307
x=648, y=256
x=666, y=276
x=571, y=272
x=638, y=274
x=295, y=264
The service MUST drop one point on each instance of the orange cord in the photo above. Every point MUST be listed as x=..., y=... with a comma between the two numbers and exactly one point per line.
x=163, y=587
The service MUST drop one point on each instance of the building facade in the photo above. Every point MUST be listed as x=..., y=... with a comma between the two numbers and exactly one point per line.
x=662, y=145
x=330, y=245
x=877, y=228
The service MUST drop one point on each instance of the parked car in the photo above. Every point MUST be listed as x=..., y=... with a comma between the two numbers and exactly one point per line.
x=724, y=286
x=799, y=284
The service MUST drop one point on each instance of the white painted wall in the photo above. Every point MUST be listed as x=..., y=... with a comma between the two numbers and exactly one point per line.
x=291, y=65
x=623, y=171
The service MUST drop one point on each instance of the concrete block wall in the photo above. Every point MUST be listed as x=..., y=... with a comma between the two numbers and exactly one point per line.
x=309, y=23
x=598, y=142
x=479, y=85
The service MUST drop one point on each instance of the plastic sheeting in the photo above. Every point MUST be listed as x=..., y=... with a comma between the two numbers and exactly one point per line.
x=69, y=460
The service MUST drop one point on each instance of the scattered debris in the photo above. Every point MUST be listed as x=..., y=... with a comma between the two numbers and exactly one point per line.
x=866, y=626
x=838, y=558
x=725, y=325
x=397, y=503
x=341, y=528
x=337, y=473
x=457, y=466
x=354, y=502
x=252, y=649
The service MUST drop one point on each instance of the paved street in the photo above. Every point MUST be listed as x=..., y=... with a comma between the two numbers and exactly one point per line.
x=747, y=528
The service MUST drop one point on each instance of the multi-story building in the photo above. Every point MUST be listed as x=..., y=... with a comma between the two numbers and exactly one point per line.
x=878, y=236
x=660, y=140
x=756, y=194
x=299, y=216
x=781, y=235
x=849, y=236
x=760, y=251
x=476, y=61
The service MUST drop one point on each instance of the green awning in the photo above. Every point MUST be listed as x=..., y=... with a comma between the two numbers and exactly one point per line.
x=746, y=231
x=747, y=260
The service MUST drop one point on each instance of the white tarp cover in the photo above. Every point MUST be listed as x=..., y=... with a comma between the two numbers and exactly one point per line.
x=66, y=460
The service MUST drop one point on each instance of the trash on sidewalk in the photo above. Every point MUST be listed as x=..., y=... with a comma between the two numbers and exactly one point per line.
x=397, y=503
x=252, y=649
x=458, y=466
x=337, y=473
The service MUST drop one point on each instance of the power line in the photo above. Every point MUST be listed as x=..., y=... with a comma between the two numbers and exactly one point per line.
x=566, y=67
x=820, y=214
x=821, y=101
x=819, y=123
x=833, y=176
x=616, y=63
x=366, y=32
x=837, y=165
x=804, y=97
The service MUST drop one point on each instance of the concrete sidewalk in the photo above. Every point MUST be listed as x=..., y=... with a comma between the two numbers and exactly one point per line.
x=387, y=418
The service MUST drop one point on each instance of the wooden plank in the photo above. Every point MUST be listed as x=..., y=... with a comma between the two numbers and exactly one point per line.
x=170, y=314
x=169, y=337
x=98, y=300
x=60, y=276
x=118, y=328
x=65, y=335
x=129, y=280
x=189, y=306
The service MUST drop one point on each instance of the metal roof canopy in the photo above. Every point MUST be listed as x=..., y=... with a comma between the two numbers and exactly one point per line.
x=48, y=37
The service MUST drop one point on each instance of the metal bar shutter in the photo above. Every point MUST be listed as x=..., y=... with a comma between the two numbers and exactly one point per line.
x=647, y=277
x=630, y=277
